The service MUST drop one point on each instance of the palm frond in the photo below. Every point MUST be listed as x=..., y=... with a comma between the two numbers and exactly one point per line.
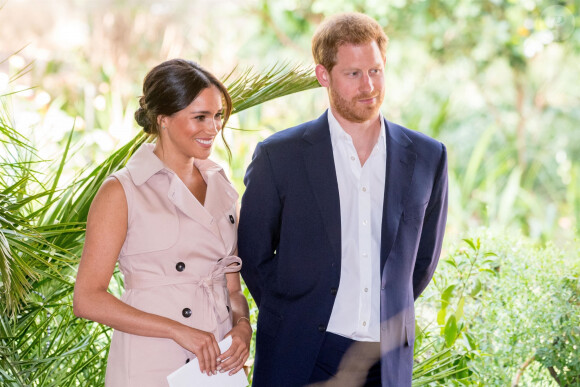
x=252, y=89
x=434, y=365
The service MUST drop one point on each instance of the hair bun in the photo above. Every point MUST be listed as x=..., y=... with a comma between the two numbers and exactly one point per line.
x=142, y=117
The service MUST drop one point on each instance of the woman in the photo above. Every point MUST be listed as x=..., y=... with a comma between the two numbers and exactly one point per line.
x=169, y=217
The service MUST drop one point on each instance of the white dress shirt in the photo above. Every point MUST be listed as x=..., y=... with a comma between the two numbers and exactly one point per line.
x=356, y=311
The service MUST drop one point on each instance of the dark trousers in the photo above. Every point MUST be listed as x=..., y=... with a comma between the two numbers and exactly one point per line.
x=345, y=362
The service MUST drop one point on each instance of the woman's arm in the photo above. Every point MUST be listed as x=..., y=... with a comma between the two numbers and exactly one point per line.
x=106, y=232
x=235, y=357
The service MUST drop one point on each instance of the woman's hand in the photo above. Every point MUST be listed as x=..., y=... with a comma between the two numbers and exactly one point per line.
x=203, y=344
x=235, y=357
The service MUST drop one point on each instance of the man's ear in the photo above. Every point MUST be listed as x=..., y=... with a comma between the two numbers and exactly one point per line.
x=322, y=75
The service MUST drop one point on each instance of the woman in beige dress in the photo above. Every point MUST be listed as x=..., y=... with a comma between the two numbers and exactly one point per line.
x=169, y=218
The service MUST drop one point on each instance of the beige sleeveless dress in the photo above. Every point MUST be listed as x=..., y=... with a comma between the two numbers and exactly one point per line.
x=174, y=261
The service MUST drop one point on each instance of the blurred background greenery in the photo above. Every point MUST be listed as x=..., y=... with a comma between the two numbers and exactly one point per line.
x=492, y=79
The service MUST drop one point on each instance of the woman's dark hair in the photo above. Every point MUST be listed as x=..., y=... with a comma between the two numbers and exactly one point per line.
x=170, y=87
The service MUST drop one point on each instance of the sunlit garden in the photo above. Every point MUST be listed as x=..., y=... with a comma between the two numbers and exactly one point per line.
x=495, y=81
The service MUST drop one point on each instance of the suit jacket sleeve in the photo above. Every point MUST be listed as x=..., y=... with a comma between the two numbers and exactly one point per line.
x=433, y=229
x=259, y=228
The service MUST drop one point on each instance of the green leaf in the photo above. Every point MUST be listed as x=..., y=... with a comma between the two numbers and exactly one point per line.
x=441, y=315
x=450, y=331
x=470, y=243
x=488, y=271
x=446, y=295
x=459, y=311
x=476, y=288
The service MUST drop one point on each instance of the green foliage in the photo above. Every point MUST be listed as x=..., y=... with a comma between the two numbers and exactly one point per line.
x=451, y=300
x=520, y=303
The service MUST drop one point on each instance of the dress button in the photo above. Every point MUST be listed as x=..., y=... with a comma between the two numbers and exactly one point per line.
x=228, y=308
x=333, y=291
x=180, y=266
x=322, y=328
x=232, y=219
x=186, y=312
x=187, y=361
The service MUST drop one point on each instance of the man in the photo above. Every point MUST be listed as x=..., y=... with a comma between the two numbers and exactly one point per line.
x=341, y=227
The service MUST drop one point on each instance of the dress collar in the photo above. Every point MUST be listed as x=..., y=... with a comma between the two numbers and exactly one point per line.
x=144, y=164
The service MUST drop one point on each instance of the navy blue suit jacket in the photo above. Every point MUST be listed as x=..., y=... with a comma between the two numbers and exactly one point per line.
x=290, y=244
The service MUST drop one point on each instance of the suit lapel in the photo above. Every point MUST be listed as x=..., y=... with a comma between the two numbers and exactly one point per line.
x=319, y=161
x=399, y=172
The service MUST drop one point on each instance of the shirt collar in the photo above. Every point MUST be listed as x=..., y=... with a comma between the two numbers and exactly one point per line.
x=337, y=132
x=144, y=164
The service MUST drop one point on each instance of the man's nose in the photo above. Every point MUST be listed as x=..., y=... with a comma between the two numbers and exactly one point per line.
x=366, y=84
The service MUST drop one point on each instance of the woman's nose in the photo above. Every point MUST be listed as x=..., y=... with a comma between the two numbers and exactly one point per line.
x=215, y=125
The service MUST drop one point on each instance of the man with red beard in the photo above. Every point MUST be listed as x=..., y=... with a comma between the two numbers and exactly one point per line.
x=341, y=227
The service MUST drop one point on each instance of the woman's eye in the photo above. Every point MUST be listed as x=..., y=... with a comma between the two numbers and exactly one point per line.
x=219, y=115
x=200, y=118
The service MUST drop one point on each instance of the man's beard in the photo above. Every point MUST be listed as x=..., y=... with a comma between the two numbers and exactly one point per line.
x=353, y=113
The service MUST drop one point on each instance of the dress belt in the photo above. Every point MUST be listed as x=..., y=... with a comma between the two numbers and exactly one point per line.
x=216, y=277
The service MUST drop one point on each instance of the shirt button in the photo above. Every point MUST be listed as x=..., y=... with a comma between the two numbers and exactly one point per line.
x=321, y=328
x=366, y=290
x=186, y=361
x=364, y=189
x=365, y=222
x=186, y=312
x=352, y=158
x=365, y=255
x=180, y=266
x=364, y=323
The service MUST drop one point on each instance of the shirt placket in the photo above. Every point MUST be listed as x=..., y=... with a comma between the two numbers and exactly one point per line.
x=364, y=247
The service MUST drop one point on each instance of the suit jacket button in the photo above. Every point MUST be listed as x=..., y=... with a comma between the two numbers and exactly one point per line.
x=333, y=291
x=180, y=266
x=186, y=312
x=322, y=328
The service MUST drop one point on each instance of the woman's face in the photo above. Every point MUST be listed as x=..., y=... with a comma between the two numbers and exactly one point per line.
x=191, y=131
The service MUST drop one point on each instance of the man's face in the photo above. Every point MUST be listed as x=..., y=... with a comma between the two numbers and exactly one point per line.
x=356, y=84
